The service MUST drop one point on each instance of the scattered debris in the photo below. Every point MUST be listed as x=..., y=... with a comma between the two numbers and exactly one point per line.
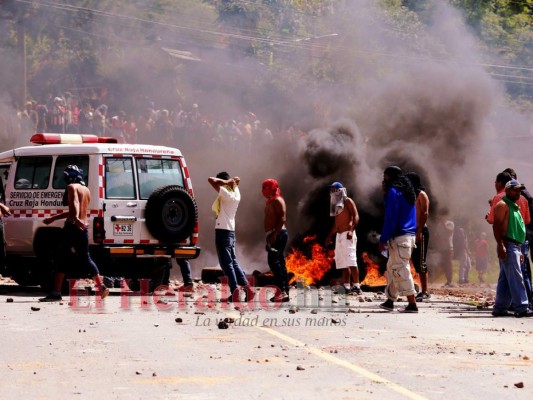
x=229, y=320
x=314, y=311
x=154, y=374
x=35, y=308
x=519, y=385
x=179, y=320
x=300, y=368
x=223, y=325
x=138, y=373
x=9, y=300
x=293, y=310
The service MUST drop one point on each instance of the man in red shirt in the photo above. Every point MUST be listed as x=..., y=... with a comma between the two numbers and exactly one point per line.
x=501, y=179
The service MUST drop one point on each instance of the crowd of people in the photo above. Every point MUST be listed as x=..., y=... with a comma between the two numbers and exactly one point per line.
x=405, y=232
x=66, y=113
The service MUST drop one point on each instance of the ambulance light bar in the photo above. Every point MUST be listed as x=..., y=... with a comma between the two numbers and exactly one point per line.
x=68, y=138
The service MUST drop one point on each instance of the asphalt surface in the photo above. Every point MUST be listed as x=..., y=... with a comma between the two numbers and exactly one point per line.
x=326, y=347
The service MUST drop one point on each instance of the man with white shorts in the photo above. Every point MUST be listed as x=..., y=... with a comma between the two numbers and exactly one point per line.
x=346, y=219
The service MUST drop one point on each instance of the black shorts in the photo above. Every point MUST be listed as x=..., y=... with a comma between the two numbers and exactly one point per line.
x=420, y=253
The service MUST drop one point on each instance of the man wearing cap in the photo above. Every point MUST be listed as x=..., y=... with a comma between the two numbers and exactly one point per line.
x=398, y=237
x=346, y=219
x=510, y=232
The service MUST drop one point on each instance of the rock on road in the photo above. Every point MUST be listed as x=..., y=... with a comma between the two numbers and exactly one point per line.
x=133, y=347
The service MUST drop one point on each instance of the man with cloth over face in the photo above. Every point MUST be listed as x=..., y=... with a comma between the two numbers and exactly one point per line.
x=75, y=233
x=276, y=237
x=346, y=219
x=398, y=236
x=510, y=232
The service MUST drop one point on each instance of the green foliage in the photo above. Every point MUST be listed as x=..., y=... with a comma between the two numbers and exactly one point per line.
x=86, y=42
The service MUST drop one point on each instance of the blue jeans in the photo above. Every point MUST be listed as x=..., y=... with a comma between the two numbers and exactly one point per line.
x=526, y=271
x=225, y=244
x=185, y=268
x=511, y=289
x=276, y=261
x=78, y=239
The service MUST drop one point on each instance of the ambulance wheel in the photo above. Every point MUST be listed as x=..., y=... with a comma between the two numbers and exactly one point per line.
x=171, y=214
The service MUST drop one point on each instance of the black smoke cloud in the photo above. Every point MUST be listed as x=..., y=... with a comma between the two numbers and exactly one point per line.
x=417, y=99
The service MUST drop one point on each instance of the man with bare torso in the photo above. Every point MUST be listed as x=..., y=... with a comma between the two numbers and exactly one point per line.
x=75, y=232
x=346, y=219
x=420, y=252
x=276, y=237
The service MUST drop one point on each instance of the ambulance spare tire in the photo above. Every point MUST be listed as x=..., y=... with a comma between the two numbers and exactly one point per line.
x=171, y=214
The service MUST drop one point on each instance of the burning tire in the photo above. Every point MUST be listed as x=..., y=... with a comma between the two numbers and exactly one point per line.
x=171, y=214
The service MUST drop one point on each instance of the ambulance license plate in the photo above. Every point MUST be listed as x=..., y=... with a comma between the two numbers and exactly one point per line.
x=123, y=230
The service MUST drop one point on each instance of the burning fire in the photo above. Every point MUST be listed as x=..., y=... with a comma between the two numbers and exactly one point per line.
x=309, y=270
x=372, y=277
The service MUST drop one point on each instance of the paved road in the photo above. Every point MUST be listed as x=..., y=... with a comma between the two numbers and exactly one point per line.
x=131, y=347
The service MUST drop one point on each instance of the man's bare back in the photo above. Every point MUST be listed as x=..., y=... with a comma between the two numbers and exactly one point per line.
x=79, y=197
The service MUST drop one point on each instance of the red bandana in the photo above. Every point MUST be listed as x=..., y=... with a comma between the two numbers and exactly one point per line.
x=271, y=190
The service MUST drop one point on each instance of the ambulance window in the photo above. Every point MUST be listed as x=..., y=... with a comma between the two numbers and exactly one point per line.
x=155, y=173
x=58, y=182
x=119, y=182
x=33, y=172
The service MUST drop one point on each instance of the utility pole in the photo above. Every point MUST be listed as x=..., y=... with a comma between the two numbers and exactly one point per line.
x=21, y=37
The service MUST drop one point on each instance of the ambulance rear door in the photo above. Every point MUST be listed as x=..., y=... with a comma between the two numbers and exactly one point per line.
x=122, y=210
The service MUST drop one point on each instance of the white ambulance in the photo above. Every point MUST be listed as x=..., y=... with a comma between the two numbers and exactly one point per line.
x=142, y=210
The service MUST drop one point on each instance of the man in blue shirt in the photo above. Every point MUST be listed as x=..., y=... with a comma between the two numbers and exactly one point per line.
x=398, y=237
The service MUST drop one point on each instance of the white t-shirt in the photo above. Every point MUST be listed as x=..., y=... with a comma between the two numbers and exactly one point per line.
x=229, y=201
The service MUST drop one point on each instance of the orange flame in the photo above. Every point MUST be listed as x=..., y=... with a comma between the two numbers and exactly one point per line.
x=372, y=277
x=309, y=271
